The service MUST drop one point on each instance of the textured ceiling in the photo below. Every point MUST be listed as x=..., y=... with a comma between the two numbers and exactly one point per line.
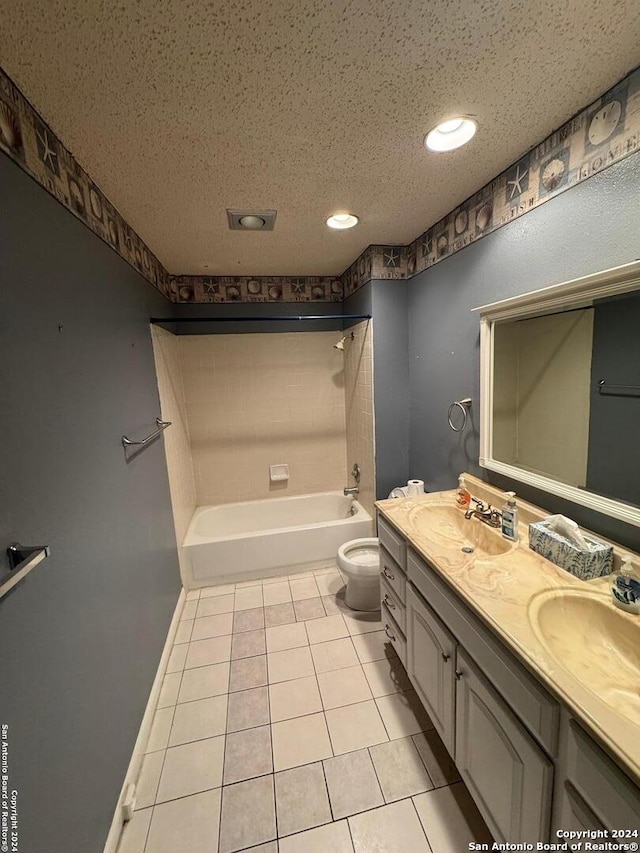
x=180, y=109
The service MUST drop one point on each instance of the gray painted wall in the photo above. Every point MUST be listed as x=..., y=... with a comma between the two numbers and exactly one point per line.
x=591, y=227
x=82, y=636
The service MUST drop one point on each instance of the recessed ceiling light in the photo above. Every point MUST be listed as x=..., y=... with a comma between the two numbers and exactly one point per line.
x=341, y=221
x=251, y=220
x=451, y=134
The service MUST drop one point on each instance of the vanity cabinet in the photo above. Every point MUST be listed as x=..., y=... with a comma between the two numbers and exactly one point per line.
x=431, y=660
x=506, y=772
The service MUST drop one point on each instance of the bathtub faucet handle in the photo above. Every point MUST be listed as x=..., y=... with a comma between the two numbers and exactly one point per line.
x=351, y=490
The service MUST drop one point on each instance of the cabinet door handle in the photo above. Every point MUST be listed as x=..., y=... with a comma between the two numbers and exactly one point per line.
x=388, y=574
x=459, y=675
x=389, y=602
x=445, y=657
x=388, y=633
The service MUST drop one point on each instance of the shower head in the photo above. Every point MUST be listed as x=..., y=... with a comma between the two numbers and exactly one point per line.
x=340, y=344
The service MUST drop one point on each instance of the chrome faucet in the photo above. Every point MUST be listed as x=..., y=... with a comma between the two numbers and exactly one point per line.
x=351, y=490
x=487, y=514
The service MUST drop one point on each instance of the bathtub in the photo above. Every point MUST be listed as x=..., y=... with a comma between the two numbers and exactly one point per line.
x=266, y=537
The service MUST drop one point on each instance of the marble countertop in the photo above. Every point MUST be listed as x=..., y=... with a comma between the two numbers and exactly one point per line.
x=504, y=591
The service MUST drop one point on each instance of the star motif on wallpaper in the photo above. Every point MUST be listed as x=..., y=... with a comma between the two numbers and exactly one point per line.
x=427, y=246
x=391, y=258
x=516, y=183
x=47, y=152
x=297, y=287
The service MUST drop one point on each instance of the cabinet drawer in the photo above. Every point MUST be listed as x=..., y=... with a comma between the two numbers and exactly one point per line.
x=575, y=814
x=521, y=690
x=614, y=799
x=394, y=635
x=393, y=604
x=393, y=542
x=393, y=574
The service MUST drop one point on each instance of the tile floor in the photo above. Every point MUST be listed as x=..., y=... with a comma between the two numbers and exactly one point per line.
x=287, y=723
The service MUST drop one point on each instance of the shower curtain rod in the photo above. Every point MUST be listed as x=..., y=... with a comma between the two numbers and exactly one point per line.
x=260, y=319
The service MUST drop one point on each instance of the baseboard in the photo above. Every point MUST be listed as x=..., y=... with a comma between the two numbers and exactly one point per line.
x=133, y=771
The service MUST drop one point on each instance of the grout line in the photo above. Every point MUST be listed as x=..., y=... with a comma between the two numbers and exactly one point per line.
x=424, y=831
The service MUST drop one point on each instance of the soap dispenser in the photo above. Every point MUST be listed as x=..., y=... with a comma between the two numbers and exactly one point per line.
x=626, y=588
x=510, y=517
x=463, y=495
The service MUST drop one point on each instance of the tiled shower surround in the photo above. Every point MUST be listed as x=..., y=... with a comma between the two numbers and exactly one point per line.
x=358, y=369
x=286, y=723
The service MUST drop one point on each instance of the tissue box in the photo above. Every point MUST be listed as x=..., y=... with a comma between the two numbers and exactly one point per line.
x=594, y=563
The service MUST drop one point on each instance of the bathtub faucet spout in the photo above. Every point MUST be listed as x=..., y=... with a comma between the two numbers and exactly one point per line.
x=351, y=490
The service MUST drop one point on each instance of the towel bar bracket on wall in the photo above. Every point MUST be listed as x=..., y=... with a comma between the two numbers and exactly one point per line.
x=162, y=425
x=22, y=559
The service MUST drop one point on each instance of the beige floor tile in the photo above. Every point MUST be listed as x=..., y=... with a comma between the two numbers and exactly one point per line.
x=333, y=837
x=160, y=729
x=363, y=623
x=247, y=754
x=169, y=690
x=190, y=823
x=386, y=676
x=248, y=709
x=329, y=628
x=328, y=568
x=439, y=764
x=223, y=589
x=217, y=604
x=275, y=579
x=248, y=644
x=204, y=681
x=343, y=687
x=248, y=815
x=309, y=608
x=330, y=583
x=147, y=784
x=269, y=847
x=352, y=783
x=279, y=614
x=191, y=768
x=197, y=720
x=286, y=637
x=247, y=673
x=289, y=664
x=183, y=634
x=248, y=620
x=192, y=595
x=134, y=832
x=303, y=587
x=373, y=646
x=300, y=741
x=451, y=819
x=177, y=658
x=394, y=828
x=400, y=769
x=355, y=726
x=276, y=593
x=212, y=626
x=251, y=582
x=403, y=714
x=336, y=654
x=295, y=698
x=206, y=652
x=189, y=610
x=301, y=799
x=248, y=598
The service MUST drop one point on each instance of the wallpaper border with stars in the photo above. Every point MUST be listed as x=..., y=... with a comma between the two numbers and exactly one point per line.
x=605, y=132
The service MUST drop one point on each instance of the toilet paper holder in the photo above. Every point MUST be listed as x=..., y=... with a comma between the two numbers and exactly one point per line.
x=464, y=406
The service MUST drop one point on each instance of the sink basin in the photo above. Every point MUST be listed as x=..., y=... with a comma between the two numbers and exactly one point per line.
x=446, y=528
x=595, y=642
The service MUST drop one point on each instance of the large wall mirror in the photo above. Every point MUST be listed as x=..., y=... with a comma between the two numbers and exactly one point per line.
x=560, y=390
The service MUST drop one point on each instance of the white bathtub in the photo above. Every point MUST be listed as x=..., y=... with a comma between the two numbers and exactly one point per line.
x=261, y=538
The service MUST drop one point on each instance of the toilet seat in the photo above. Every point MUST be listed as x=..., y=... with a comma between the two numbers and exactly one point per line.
x=360, y=557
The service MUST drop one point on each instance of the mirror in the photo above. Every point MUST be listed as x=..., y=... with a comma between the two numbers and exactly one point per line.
x=560, y=390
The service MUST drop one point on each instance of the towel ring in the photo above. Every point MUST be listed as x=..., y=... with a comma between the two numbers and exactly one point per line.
x=464, y=406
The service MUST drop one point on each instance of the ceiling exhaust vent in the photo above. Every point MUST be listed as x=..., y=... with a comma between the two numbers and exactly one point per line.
x=251, y=220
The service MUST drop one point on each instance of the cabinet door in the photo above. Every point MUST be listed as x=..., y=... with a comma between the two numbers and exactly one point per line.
x=508, y=775
x=574, y=812
x=431, y=664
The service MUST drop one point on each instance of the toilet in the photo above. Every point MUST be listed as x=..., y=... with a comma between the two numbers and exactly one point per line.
x=359, y=559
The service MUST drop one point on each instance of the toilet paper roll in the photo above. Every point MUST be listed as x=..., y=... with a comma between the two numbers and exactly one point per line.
x=414, y=488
